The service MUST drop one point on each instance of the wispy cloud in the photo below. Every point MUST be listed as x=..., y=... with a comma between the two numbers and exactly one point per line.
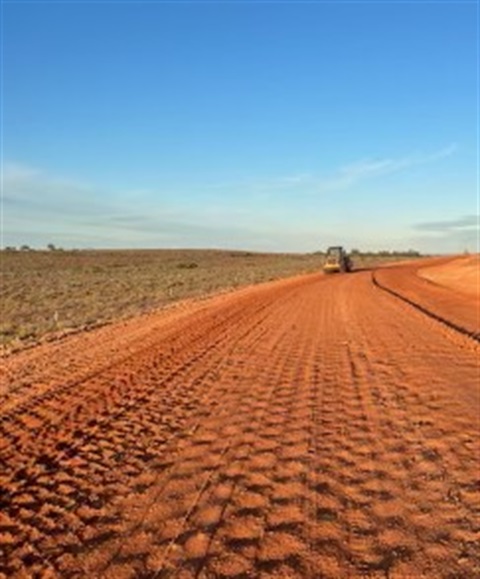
x=448, y=235
x=17, y=172
x=350, y=175
x=342, y=178
x=33, y=189
x=468, y=222
x=40, y=208
x=286, y=181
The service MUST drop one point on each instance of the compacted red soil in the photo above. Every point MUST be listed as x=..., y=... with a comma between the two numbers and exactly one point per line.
x=462, y=275
x=322, y=426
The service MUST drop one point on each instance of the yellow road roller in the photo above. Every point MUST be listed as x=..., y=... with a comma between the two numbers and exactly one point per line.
x=337, y=260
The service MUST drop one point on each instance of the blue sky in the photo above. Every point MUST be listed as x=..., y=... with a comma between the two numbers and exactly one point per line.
x=270, y=126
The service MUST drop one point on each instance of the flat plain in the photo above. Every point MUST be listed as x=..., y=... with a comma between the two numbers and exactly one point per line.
x=315, y=426
x=56, y=292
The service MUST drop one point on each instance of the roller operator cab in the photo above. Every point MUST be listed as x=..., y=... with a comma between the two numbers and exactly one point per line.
x=337, y=260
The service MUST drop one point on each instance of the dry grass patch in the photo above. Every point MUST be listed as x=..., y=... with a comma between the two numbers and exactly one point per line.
x=53, y=291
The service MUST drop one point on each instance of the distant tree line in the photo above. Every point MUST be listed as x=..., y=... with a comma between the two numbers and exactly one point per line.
x=353, y=252
x=381, y=253
x=387, y=253
x=21, y=248
x=25, y=247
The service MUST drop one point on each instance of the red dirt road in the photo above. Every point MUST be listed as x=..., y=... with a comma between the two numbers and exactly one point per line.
x=321, y=426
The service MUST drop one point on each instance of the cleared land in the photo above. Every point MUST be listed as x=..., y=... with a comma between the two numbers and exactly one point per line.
x=44, y=292
x=55, y=292
x=320, y=426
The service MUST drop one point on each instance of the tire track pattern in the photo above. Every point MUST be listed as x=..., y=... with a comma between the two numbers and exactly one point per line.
x=303, y=431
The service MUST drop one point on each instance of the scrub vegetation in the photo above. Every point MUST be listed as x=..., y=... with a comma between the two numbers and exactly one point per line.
x=55, y=291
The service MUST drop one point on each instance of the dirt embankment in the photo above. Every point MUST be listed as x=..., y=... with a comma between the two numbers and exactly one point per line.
x=444, y=287
x=461, y=275
x=315, y=427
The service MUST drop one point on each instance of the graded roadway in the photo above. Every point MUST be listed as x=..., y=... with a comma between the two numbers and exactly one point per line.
x=320, y=426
